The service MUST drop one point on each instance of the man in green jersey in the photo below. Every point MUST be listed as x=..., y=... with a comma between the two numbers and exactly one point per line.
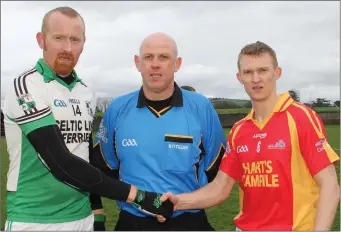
x=48, y=117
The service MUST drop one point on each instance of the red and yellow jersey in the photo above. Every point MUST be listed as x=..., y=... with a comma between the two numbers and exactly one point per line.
x=274, y=163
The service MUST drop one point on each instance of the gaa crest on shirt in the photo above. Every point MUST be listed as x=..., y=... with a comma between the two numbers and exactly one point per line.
x=26, y=102
x=102, y=132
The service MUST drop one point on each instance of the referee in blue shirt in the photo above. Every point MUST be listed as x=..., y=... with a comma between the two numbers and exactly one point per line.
x=161, y=138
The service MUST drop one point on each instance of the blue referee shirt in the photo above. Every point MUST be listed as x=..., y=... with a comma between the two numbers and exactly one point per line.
x=173, y=149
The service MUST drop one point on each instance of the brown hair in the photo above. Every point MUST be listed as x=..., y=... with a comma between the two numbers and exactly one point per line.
x=65, y=10
x=257, y=49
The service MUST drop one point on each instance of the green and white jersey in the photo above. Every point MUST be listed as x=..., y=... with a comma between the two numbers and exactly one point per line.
x=36, y=99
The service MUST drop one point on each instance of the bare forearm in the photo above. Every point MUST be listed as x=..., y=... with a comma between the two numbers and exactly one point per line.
x=98, y=211
x=132, y=194
x=210, y=195
x=326, y=207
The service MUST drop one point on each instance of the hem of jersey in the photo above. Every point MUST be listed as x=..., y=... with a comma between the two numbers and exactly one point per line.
x=38, y=123
x=333, y=161
x=44, y=220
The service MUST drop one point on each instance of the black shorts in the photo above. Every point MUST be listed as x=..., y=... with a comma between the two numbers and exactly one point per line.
x=185, y=222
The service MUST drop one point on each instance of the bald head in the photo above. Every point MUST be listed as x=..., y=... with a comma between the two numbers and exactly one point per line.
x=159, y=39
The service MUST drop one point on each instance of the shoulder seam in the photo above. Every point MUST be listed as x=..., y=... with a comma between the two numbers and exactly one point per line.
x=25, y=72
x=310, y=114
x=20, y=82
x=234, y=132
x=20, y=88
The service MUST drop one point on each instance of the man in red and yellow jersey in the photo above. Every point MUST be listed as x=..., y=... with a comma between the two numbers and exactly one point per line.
x=279, y=155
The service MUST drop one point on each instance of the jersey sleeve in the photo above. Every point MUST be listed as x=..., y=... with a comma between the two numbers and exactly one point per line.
x=230, y=163
x=214, y=140
x=26, y=104
x=105, y=138
x=314, y=145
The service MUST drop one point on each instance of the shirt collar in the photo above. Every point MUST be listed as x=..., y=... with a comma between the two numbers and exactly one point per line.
x=284, y=101
x=177, y=99
x=50, y=75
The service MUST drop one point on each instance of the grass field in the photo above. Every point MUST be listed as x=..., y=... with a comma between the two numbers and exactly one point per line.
x=221, y=216
x=247, y=110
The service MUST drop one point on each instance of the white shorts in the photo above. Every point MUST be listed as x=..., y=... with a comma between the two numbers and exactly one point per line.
x=85, y=224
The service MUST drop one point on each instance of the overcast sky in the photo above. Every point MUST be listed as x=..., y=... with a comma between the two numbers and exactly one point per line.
x=209, y=35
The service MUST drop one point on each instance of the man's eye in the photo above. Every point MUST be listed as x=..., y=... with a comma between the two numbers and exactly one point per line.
x=74, y=39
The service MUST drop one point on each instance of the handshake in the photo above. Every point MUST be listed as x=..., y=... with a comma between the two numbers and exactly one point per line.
x=155, y=204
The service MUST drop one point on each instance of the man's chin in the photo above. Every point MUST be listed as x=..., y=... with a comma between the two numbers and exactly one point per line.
x=156, y=86
x=63, y=71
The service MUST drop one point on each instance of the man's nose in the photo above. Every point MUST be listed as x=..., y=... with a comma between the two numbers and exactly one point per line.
x=255, y=77
x=67, y=46
x=155, y=63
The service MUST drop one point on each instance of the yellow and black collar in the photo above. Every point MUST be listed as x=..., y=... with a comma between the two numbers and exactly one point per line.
x=176, y=99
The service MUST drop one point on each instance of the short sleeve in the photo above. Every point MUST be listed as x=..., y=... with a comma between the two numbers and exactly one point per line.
x=214, y=139
x=105, y=137
x=230, y=163
x=27, y=105
x=314, y=145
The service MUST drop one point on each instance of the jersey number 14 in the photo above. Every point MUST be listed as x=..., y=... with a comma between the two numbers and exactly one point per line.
x=77, y=110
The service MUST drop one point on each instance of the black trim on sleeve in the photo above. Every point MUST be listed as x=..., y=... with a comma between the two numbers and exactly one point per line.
x=201, y=155
x=17, y=93
x=21, y=88
x=36, y=114
x=19, y=85
x=49, y=143
x=25, y=87
x=212, y=172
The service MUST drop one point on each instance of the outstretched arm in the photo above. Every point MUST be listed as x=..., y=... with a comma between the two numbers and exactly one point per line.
x=208, y=196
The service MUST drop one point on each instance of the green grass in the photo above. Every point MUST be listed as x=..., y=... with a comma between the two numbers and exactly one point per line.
x=233, y=111
x=99, y=114
x=247, y=110
x=221, y=216
x=326, y=109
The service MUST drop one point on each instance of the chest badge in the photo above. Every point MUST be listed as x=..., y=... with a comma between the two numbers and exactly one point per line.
x=280, y=144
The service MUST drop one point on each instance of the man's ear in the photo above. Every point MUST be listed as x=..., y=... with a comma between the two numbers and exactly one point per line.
x=178, y=63
x=41, y=39
x=239, y=78
x=137, y=62
x=278, y=72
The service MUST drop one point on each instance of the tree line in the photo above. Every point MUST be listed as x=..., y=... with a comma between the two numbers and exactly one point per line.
x=318, y=102
x=225, y=103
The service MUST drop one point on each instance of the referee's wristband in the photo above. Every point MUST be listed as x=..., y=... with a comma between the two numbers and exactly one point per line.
x=99, y=218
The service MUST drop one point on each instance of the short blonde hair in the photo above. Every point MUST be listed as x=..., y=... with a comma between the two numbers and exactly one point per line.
x=257, y=49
